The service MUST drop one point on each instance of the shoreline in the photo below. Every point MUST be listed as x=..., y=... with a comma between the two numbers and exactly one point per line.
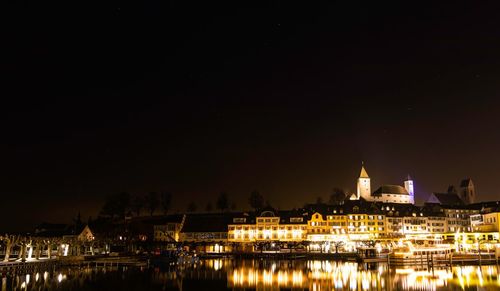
x=146, y=261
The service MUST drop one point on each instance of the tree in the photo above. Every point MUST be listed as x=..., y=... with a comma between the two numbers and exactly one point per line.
x=109, y=208
x=209, y=207
x=123, y=203
x=9, y=241
x=192, y=207
x=319, y=200
x=166, y=201
x=222, y=202
x=256, y=200
x=337, y=196
x=153, y=201
x=116, y=205
x=368, y=243
x=233, y=206
x=138, y=204
x=338, y=244
x=77, y=221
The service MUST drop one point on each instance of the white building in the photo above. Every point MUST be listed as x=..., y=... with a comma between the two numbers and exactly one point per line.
x=385, y=193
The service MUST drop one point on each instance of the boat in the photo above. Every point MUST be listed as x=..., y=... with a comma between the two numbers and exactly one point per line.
x=406, y=253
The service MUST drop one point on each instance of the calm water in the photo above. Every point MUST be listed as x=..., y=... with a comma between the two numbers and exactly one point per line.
x=225, y=274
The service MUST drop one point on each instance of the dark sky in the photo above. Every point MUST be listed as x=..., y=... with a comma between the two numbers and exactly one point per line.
x=196, y=98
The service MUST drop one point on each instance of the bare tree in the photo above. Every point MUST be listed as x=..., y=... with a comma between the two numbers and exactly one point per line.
x=192, y=207
x=337, y=244
x=256, y=200
x=222, y=203
x=153, y=202
x=138, y=204
x=166, y=201
x=10, y=241
x=337, y=196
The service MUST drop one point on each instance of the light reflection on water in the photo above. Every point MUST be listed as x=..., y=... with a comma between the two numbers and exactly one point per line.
x=260, y=275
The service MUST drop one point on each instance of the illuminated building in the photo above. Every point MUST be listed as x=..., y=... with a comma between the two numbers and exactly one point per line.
x=489, y=222
x=267, y=226
x=354, y=220
x=365, y=226
x=458, y=218
x=207, y=232
x=385, y=193
x=465, y=196
x=364, y=185
x=167, y=228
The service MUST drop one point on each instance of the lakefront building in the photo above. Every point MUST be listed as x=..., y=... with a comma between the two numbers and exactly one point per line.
x=385, y=216
x=267, y=226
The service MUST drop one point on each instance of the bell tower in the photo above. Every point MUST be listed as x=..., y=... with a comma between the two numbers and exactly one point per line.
x=467, y=191
x=409, y=188
x=364, y=187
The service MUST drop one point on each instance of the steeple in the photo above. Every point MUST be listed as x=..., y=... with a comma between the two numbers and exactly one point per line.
x=363, y=173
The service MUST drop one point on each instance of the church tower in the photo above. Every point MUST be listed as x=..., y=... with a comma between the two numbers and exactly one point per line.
x=409, y=188
x=364, y=190
x=467, y=191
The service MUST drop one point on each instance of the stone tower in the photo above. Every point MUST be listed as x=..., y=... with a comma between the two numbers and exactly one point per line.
x=409, y=188
x=467, y=191
x=364, y=188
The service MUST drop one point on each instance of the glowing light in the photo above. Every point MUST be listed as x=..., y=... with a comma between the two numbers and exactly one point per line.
x=217, y=264
x=30, y=252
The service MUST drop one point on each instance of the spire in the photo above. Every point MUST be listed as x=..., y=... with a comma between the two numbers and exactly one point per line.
x=363, y=173
x=408, y=178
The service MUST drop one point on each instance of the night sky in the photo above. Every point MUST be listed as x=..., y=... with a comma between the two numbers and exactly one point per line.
x=195, y=98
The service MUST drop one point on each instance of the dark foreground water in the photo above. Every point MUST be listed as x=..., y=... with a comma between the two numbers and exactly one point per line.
x=225, y=274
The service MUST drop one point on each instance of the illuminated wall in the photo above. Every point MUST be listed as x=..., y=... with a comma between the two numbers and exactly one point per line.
x=391, y=198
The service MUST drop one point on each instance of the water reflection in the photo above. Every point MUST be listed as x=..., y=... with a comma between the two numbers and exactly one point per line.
x=216, y=274
x=328, y=275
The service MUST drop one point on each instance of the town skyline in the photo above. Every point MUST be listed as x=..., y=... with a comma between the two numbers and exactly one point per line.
x=249, y=145
x=178, y=203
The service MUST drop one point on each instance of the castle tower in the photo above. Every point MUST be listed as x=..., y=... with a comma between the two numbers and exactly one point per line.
x=467, y=191
x=364, y=188
x=409, y=188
